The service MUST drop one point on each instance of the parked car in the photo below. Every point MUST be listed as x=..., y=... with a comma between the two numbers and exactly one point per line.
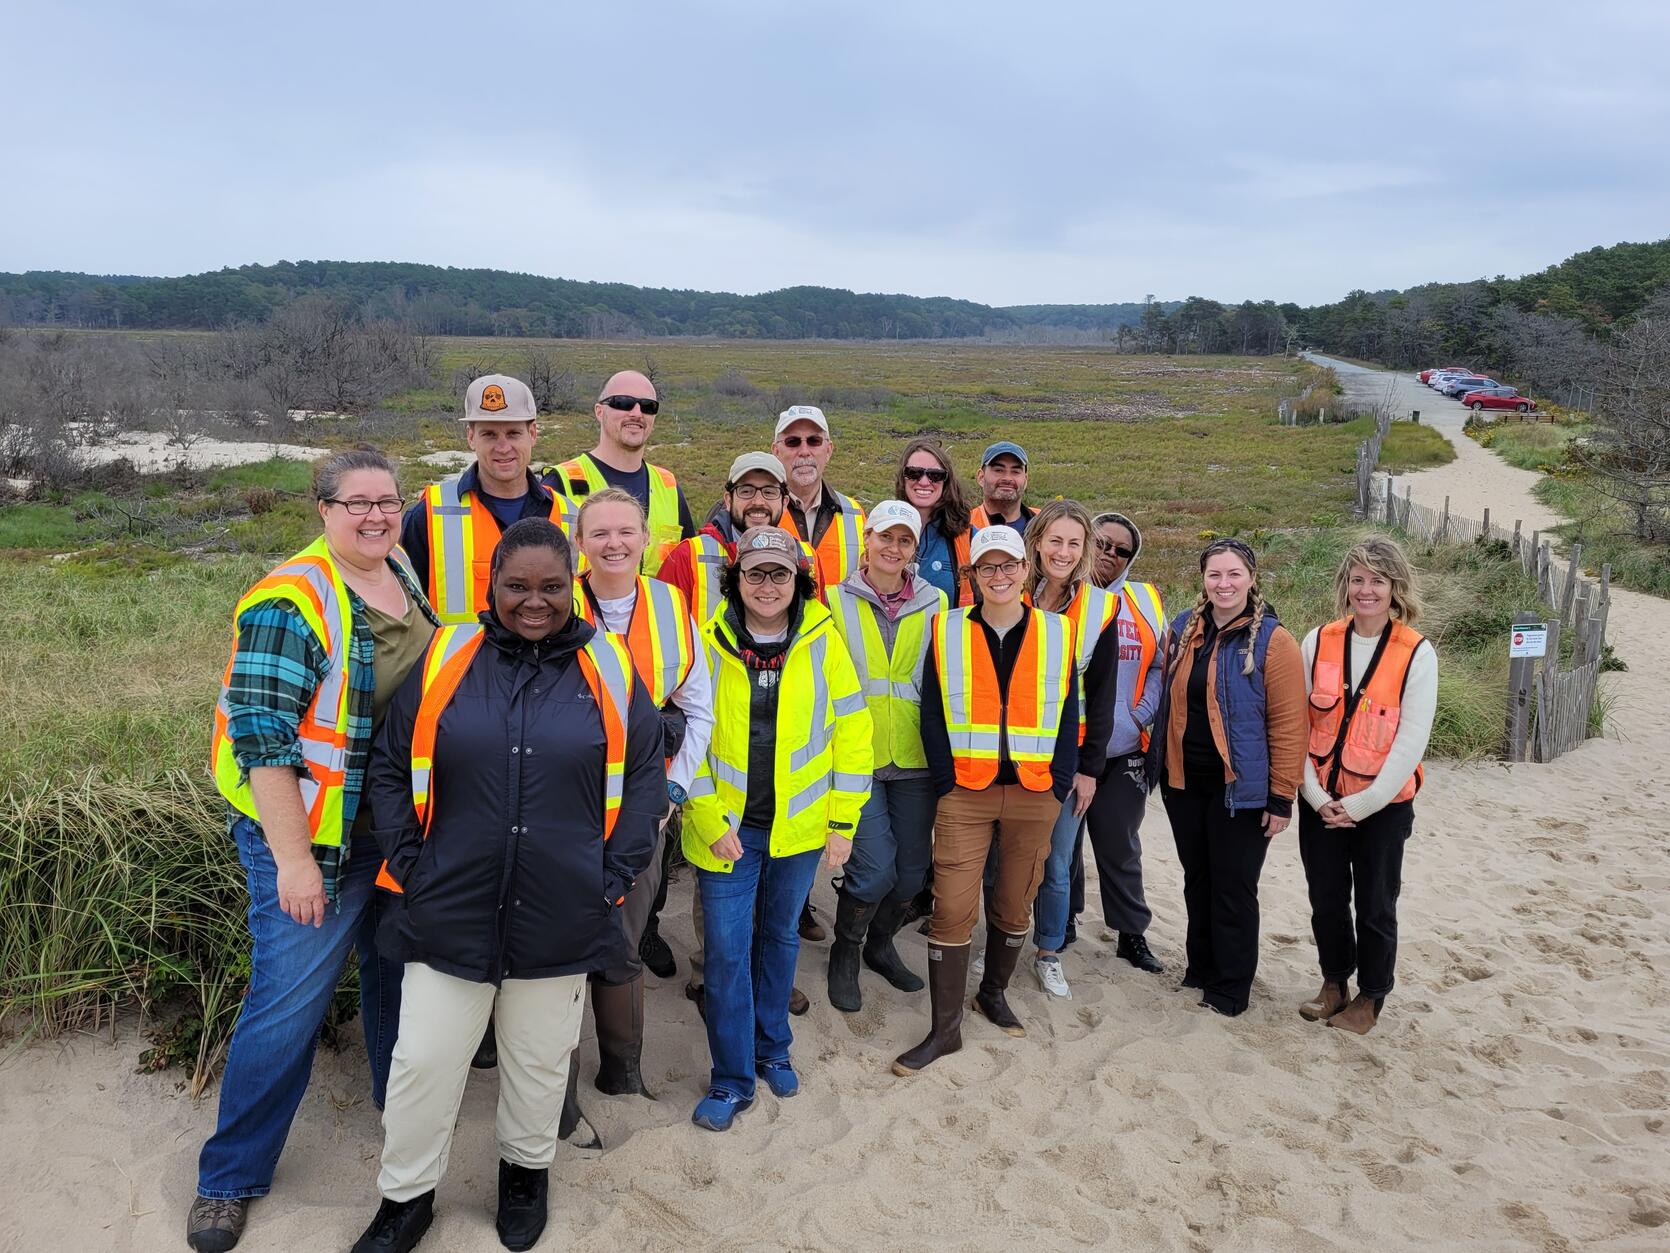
x=1425, y=376
x=1497, y=398
x=1440, y=377
x=1461, y=384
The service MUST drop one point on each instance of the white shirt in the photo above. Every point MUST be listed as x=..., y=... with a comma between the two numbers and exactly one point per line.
x=1420, y=705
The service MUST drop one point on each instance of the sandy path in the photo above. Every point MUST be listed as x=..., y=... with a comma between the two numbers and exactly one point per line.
x=1516, y=1094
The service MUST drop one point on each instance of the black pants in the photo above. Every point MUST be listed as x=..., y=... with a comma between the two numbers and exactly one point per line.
x=1115, y=817
x=1365, y=861
x=1222, y=854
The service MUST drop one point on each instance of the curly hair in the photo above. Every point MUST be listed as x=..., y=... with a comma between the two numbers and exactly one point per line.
x=1049, y=513
x=730, y=583
x=1383, y=556
x=951, y=513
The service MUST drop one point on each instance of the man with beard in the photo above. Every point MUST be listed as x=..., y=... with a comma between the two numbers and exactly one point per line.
x=830, y=524
x=1002, y=481
x=625, y=412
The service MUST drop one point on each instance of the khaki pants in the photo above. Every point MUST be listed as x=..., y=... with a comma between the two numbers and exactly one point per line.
x=441, y=1021
x=965, y=827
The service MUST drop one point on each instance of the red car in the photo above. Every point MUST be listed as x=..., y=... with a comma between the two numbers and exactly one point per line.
x=1425, y=376
x=1497, y=398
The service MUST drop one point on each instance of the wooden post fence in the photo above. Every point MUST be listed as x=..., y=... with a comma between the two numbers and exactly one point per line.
x=1521, y=674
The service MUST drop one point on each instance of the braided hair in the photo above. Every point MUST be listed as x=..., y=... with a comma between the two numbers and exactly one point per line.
x=1255, y=602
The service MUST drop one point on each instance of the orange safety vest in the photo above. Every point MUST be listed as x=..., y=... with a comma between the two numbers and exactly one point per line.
x=659, y=636
x=462, y=536
x=979, y=721
x=606, y=666
x=836, y=554
x=965, y=578
x=1350, y=763
x=1148, y=637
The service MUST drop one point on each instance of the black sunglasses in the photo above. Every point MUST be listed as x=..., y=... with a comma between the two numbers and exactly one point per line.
x=627, y=403
x=917, y=473
x=1107, y=546
x=795, y=441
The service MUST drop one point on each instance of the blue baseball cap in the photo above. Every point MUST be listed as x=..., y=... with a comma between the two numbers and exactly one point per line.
x=1003, y=448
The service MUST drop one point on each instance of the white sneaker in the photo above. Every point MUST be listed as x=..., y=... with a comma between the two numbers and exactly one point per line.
x=977, y=967
x=1050, y=978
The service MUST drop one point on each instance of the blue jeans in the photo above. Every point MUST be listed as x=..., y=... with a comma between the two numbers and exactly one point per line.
x=294, y=971
x=751, y=938
x=1049, y=911
x=894, y=844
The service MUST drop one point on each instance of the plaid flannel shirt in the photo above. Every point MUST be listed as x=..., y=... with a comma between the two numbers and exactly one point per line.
x=278, y=666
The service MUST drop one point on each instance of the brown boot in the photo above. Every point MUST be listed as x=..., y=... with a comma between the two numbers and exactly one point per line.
x=1326, y=1003
x=947, y=982
x=1003, y=954
x=619, y=1011
x=1359, y=1016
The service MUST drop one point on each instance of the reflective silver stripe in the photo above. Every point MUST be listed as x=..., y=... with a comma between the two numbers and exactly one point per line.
x=851, y=782
x=975, y=741
x=817, y=739
x=1095, y=621
x=906, y=691
x=1055, y=653
x=844, y=608
x=661, y=604
x=951, y=682
x=455, y=514
x=614, y=671
x=809, y=795
x=852, y=533
x=701, y=785
x=849, y=704
x=1037, y=744
x=878, y=687
x=928, y=617
x=710, y=561
x=727, y=773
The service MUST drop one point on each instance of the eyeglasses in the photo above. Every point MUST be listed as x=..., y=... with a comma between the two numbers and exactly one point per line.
x=917, y=473
x=359, y=506
x=1108, y=546
x=994, y=568
x=811, y=441
x=627, y=403
x=778, y=575
x=747, y=491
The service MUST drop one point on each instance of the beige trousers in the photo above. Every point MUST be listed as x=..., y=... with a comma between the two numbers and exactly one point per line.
x=441, y=1021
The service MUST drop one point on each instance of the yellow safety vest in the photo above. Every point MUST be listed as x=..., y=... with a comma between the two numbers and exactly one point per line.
x=580, y=477
x=892, y=684
x=659, y=636
x=462, y=536
x=823, y=767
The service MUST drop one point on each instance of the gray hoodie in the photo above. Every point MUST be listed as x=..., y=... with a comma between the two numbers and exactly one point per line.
x=1128, y=721
x=924, y=595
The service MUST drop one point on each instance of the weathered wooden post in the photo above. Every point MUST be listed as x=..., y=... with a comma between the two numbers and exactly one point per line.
x=1486, y=522
x=1444, y=522
x=1548, y=719
x=1408, y=505
x=1517, y=522
x=1521, y=672
x=1571, y=581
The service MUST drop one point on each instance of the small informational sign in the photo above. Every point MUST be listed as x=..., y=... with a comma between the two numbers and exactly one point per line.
x=1528, y=639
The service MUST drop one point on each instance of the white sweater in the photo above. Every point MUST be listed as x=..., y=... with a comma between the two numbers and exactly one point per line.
x=1420, y=704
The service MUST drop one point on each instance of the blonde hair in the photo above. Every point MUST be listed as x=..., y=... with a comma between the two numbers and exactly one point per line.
x=1255, y=603
x=1382, y=555
x=610, y=496
x=1049, y=513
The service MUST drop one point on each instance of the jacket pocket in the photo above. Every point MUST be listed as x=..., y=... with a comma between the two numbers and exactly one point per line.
x=1373, y=728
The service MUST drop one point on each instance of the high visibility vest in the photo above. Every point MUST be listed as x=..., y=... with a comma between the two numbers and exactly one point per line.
x=965, y=576
x=1349, y=765
x=659, y=636
x=977, y=718
x=1148, y=616
x=311, y=583
x=1091, y=611
x=892, y=684
x=462, y=536
x=604, y=663
x=580, y=477
x=708, y=559
x=979, y=519
x=835, y=556
x=823, y=766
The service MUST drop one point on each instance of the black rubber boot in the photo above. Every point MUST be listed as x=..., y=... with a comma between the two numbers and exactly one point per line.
x=574, y=1126
x=1003, y=954
x=947, y=982
x=487, y=1052
x=619, y=1013
x=522, y=1209
x=879, y=953
x=852, y=920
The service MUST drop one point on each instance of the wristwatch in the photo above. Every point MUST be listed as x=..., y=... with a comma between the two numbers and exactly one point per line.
x=676, y=794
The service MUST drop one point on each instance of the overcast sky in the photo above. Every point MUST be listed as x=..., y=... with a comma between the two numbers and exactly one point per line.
x=1007, y=153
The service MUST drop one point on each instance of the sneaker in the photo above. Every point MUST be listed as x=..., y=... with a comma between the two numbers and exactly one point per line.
x=657, y=955
x=398, y=1226
x=779, y=1077
x=522, y=1212
x=718, y=1109
x=1050, y=978
x=216, y=1223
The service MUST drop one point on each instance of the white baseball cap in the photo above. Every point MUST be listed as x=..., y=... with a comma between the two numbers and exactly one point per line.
x=997, y=538
x=801, y=413
x=761, y=461
x=894, y=513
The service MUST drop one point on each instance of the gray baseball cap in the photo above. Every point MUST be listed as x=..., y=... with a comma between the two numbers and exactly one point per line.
x=762, y=461
x=768, y=545
x=499, y=398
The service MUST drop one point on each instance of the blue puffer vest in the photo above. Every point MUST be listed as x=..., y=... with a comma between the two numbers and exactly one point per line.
x=1240, y=705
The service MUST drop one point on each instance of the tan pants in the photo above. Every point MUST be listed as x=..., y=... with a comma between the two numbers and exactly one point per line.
x=441, y=1021
x=965, y=827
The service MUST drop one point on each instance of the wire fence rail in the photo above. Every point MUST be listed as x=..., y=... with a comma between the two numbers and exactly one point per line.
x=1550, y=699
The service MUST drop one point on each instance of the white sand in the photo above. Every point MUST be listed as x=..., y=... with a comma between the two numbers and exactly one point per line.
x=1515, y=1094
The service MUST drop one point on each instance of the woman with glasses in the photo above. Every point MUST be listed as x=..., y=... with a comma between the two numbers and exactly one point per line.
x=321, y=645
x=885, y=613
x=1229, y=755
x=1000, y=732
x=927, y=482
x=787, y=773
x=1059, y=553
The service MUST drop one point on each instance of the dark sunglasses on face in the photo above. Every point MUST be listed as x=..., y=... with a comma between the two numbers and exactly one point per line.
x=626, y=403
x=917, y=473
x=775, y=574
x=747, y=491
x=1108, y=546
x=795, y=441
x=360, y=507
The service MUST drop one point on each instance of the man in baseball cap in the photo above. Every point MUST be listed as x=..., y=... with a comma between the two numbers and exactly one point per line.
x=830, y=523
x=450, y=534
x=1002, y=479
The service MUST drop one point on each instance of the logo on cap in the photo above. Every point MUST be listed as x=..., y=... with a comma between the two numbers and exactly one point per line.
x=764, y=541
x=492, y=398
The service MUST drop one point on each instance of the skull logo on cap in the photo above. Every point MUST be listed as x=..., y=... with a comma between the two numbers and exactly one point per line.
x=492, y=398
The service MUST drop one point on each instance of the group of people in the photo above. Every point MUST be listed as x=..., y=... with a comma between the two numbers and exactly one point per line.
x=464, y=737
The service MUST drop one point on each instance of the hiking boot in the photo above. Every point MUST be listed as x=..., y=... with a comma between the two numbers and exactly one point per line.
x=852, y=920
x=398, y=1226
x=1051, y=978
x=657, y=955
x=1358, y=1017
x=947, y=982
x=798, y=1004
x=522, y=1211
x=879, y=953
x=810, y=928
x=1134, y=949
x=216, y=1223
x=1003, y=954
x=619, y=1011
x=487, y=1052
x=1326, y=1003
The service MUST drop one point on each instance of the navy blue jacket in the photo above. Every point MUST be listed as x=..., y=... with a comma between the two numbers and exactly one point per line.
x=515, y=880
